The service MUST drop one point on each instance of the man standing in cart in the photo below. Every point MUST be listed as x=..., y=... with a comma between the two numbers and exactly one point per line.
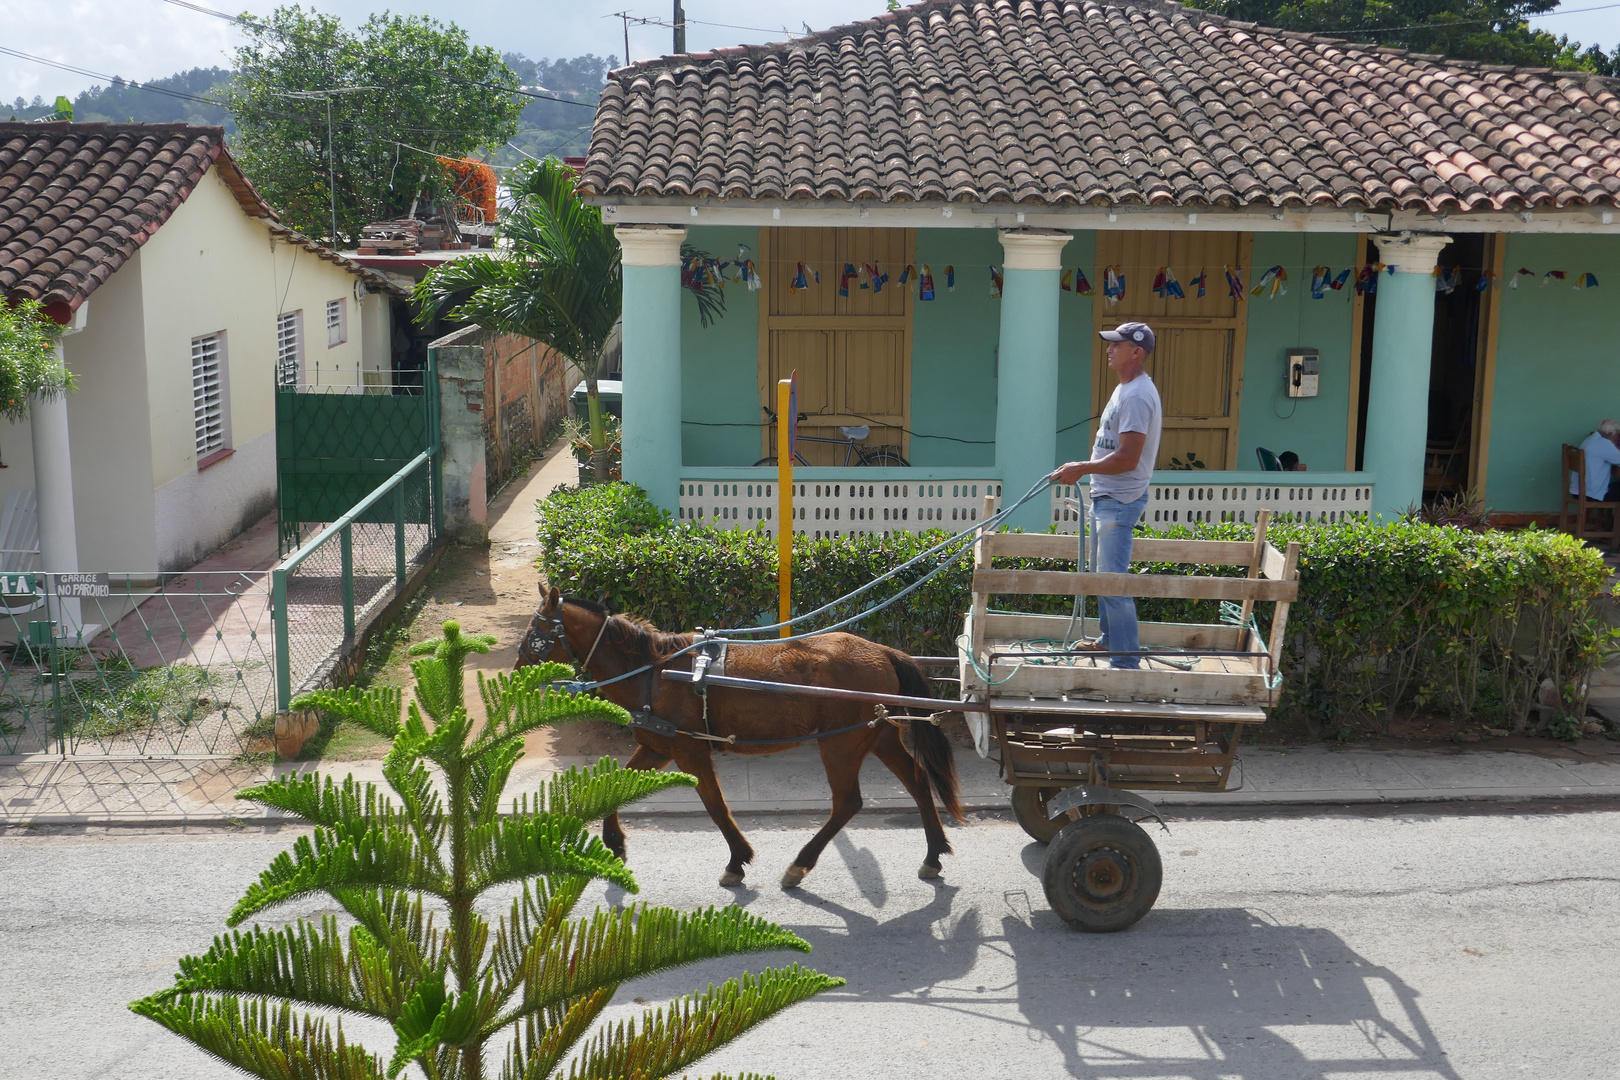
x=1121, y=464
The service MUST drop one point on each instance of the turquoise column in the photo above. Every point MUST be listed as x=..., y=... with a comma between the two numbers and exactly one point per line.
x=1398, y=392
x=652, y=359
x=1027, y=369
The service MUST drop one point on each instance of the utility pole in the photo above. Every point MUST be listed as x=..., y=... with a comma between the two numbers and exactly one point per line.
x=680, y=27
x=331, y=164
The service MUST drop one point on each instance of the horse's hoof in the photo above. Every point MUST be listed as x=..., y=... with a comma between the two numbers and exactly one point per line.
x=794, y=875
x=929, y=873
x=729, y=879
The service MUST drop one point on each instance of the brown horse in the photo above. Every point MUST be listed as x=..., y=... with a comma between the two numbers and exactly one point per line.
x=578, y=632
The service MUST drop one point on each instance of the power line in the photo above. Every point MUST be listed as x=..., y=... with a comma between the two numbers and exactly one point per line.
x=1460, y=22
x=112, y=79
x=243, y=20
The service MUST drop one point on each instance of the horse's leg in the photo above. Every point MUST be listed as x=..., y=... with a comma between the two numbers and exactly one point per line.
x=892, y=752
x=645, y=757
x=699, y=761
x=841, y=756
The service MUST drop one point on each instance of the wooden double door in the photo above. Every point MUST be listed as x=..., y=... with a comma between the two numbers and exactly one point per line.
x=1198, y=364
x=852, y=354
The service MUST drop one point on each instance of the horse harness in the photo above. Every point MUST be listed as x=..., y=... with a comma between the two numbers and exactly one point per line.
x=709, y=658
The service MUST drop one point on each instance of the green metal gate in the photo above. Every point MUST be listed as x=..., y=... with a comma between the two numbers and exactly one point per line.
x=332, y=450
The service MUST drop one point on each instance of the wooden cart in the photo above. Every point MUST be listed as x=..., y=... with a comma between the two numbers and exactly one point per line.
x=1077, y=737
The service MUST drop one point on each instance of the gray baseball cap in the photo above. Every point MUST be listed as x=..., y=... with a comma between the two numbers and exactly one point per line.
x=1137, y=333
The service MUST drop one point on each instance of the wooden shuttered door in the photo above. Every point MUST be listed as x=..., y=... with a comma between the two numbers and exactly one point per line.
x=853, y=354
x=1198, y=364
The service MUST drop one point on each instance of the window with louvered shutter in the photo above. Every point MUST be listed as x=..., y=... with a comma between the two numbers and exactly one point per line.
x=208, y=393
x=288, y=349
x=337, y=323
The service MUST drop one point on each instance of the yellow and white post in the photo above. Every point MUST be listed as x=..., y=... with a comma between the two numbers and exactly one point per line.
x=785, y=419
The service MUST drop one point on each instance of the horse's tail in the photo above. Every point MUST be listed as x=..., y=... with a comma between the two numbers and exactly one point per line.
x=933, y=749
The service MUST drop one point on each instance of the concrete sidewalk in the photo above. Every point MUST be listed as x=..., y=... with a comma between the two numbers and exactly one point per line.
x=55, y=791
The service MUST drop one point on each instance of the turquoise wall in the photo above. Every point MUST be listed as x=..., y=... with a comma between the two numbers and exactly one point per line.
x=720, y=364
x=1314, y=428
x=1557, y=365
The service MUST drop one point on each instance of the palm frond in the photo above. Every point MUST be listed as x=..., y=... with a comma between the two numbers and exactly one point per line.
x=594, y=792
x=262, y=1038
x=515, y=848
x=329, y=860
x=691, y=1028
x=615, y=945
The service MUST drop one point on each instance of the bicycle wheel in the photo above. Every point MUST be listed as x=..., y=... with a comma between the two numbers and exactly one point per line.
x=885, y=456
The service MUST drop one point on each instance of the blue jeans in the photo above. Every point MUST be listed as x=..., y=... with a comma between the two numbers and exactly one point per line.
x=1111, y=524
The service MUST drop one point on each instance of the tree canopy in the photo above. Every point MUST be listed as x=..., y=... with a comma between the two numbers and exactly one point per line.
x=426, y=92
x=1494, y=31
x=28, y=361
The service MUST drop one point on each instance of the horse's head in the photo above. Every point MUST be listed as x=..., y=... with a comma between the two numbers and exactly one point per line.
x=547, y=637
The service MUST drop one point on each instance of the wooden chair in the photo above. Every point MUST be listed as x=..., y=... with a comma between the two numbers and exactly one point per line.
x=1574, y=461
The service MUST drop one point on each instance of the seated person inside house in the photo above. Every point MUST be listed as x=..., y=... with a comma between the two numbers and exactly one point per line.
x=1290, y=461
x=1602, y=450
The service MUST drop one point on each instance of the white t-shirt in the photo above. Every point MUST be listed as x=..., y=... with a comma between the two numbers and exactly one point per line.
x=1600, y=454
x=1134, y=406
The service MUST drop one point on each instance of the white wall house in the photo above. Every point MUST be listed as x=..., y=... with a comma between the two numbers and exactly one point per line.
x=187, y=305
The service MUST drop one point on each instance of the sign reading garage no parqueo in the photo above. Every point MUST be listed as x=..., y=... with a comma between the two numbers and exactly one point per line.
x=82, y=586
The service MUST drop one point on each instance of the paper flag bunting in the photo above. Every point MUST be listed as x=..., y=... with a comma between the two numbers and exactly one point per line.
x=925, y=283
x=1276, y=277
x=950, y=278
x=995, y=283
x=1587, y=281
x=1166, y=285
x=1446, y=279
x=1367, y=281
x=845, y=278
x=1234, y=282
x=878, y=278
x=1199, y=282
x=1082, y=287
x=1484, y=282
x=1338, y=282
x=1319, y=282
x=801, y=280
x=1550, y=276
x=1521, y=272
x=906, y=273
x=1113, y=284
x=751, y=273
x=1066, y=282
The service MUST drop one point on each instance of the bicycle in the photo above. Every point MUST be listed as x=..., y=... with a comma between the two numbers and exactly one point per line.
x=884, y=455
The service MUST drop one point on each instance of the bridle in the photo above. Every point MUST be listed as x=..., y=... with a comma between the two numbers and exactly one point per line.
x=547, y=632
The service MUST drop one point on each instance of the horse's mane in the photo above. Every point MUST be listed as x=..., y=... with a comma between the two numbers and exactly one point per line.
x=637, y=637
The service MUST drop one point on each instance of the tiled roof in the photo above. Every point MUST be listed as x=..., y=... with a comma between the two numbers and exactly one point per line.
x=1113, y=103
x=77, y=200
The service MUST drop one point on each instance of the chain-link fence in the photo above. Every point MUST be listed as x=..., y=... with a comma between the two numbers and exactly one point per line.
x=121, y=665
x=326, y=592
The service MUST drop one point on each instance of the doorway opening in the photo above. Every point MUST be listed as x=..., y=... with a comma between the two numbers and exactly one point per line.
x=1457, y=351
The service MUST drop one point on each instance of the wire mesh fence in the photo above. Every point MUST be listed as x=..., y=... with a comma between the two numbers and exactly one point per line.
x=346, y=572
x=120, y=665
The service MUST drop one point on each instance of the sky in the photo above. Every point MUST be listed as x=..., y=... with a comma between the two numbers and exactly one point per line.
x=147, y=39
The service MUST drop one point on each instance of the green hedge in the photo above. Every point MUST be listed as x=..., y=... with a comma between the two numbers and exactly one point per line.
x=1391, y=617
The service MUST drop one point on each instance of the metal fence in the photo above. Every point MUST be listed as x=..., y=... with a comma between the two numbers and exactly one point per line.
x=328, y=590
x=125, y=665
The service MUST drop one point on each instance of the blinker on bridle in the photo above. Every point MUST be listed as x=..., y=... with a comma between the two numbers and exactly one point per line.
x=545, y=633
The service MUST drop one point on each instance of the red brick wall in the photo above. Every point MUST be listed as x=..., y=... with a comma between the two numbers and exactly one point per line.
x=525, y=393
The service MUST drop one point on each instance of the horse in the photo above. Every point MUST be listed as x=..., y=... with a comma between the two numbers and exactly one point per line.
x=677, y=725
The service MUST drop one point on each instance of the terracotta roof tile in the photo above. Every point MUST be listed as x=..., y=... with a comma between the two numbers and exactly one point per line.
x=1102, y=102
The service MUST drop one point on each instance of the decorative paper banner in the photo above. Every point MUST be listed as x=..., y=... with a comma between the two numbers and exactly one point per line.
x=802, y=276
x=845, y=278
x=906, y=273
x=1166, y=285
x=1587, y=281
x=1550, y=276
x=1277, y=278
x=1446, y=279
x=1484, y=282
x=1066, y=282
x=1338, y=282
x=925, y=283
x=1319, y=282
x=1113, y=284
x=1234, y=282
x=950, y=278
x=1082, y=287
x=1522, y=272
x=1367, y=280
x=1200, y=282
x=995, y=283
x=877, y=276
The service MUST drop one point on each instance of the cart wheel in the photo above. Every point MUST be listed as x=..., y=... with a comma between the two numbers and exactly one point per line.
x=1029, y=807
x=1102, y=873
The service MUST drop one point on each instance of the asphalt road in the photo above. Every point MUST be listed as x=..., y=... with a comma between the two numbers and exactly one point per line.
x=1384, y=943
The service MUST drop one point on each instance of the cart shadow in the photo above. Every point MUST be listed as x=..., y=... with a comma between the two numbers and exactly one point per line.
x=1257, y=999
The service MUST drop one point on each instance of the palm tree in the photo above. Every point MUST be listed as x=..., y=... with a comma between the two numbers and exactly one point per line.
x=462, y=932
x=554, y=277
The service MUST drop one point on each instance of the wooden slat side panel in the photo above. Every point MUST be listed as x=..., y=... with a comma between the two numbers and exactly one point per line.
x=1064, y=583
x=1201, y=687
x=1274, y=565
x=1048, y=546
x=1001, y=629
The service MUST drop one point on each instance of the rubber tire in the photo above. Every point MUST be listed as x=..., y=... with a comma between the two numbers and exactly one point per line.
x=1121, y=863
x=886, y=459
x=1029, y=807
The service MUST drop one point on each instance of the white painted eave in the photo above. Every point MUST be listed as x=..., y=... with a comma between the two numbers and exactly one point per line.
x=618, y=210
